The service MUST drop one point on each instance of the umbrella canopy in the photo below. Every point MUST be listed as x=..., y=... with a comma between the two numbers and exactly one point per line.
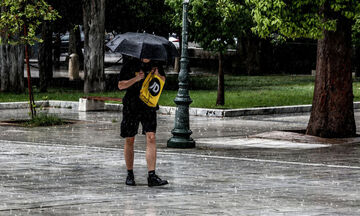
x=143, y=45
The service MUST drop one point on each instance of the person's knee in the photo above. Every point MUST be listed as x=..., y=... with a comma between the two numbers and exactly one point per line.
x=129, y=141
x=151, y=137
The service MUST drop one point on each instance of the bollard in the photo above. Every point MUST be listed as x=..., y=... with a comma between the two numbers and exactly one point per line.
x=177, y=65
x=74, y=67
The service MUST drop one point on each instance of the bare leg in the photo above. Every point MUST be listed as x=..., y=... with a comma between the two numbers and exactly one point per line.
x=129, y=152
x=153, y=179
x=151, y=150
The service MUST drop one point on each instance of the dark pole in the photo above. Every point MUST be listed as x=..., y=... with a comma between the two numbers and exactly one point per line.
x=181, y=132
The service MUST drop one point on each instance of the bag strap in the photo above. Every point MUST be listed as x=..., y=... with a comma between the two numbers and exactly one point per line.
x=150, y=74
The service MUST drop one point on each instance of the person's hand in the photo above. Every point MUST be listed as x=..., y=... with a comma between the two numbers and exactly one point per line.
x=155, y=70
x=140, y=76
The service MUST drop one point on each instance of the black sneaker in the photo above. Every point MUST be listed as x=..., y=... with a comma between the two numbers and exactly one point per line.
x=130, y=180
x=154, y=180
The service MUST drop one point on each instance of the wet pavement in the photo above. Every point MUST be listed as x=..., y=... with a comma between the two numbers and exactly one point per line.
x=79, y=169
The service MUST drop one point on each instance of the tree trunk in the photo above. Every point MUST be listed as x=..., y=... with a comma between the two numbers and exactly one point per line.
x=75, y=44
x=177, y=65
x=12, y=68
x=253, y=56
x=332, y=112
x=5, y=67
x=220, y=92
x=57, y=51
x=249, y=48
x=45, y=57
x=94, y=30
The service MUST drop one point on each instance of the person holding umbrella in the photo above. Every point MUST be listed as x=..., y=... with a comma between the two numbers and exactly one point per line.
x=145, y=51
x=136, y=111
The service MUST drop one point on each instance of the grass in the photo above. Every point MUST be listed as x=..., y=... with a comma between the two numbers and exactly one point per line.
x=245, y=91
x=66, y=94
x=240, y=91
x=42, y=120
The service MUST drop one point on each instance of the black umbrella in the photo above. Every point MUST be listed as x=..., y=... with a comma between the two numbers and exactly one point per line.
x=143, y=45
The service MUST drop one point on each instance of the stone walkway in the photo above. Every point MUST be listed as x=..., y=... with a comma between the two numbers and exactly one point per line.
x=79, y=169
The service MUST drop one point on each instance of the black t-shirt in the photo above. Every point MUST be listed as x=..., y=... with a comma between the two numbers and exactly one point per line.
x=128, y=71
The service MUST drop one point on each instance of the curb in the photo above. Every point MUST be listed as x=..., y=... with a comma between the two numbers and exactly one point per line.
x=167, y=110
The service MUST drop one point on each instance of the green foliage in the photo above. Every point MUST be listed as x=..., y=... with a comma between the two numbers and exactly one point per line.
x=301, y=18
x=356, y=31
x=17, y=14
x=176, y=18
x=214, y=24
x=43, y=119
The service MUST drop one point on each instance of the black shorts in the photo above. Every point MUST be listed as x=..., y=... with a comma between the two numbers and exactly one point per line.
x=133, y=116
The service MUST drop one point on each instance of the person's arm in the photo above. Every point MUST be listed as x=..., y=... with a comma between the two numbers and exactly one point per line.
x=124, y=84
